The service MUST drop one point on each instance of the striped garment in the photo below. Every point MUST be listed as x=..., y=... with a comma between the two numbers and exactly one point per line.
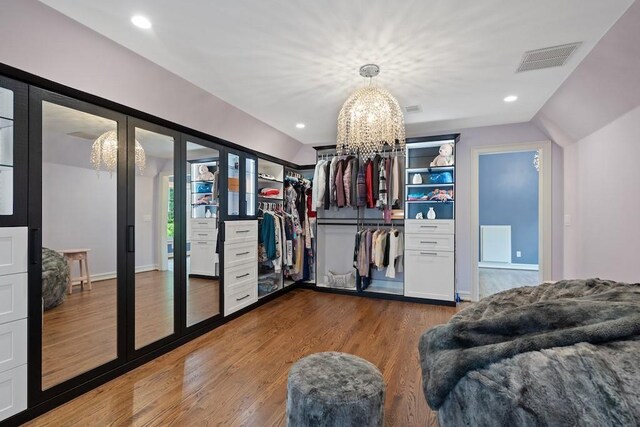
x=382, y=185
x=361, y=187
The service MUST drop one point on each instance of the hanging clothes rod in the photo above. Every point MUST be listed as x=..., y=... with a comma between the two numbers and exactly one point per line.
x=365, y=224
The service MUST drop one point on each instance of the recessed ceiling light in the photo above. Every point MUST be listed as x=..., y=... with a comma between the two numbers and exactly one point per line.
x=510, y=98
x=300, y=125
x=141, y=22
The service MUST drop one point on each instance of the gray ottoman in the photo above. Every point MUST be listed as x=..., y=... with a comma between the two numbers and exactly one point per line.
x=335, y=389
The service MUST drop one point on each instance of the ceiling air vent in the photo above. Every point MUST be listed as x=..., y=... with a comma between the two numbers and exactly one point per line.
x=413, y=109
x=548, y=57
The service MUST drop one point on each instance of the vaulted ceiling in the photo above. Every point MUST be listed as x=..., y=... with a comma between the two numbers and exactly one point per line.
x=286, y=61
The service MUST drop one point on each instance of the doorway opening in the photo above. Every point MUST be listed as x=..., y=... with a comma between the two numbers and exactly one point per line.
x=510, y=217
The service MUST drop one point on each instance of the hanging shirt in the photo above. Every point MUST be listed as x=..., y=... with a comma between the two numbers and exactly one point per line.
x=396, y=254
x=396, y=186
x=327, y=188
x=318, y=188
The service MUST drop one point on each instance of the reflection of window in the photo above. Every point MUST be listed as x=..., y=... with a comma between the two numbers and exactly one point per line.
x=170, y=215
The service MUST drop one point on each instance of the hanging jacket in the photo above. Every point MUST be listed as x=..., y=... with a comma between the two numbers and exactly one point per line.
x=340, y=197
x=396, y=186
x=376, y=175
x=346, y=181
x=382, y=185
x=354, y=181
x=371, y=202
x=318, y=188
x=332, y=181
x=361, y=187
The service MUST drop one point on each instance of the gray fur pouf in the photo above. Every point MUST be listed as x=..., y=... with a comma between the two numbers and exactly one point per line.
x=335, y=389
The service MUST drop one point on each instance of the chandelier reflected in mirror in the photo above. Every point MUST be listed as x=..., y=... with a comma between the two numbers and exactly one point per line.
x=104, y=154
x=370, y=119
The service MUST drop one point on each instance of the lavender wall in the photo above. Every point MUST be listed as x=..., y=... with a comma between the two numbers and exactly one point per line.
x=42, y=41
x=508, y=195
x=603, y=202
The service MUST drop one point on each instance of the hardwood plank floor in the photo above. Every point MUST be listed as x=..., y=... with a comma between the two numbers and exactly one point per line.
x=236, y=375
x=80, y=334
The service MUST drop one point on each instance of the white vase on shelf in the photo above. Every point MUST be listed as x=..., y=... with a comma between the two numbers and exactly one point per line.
x=431, y=214
x=417, y=179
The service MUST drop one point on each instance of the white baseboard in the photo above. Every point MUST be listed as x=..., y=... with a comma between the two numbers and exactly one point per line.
x=465, y=295
x=508, y=266
x=112, y=275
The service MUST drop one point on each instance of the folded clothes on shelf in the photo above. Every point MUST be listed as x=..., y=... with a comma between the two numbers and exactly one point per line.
x=266, y=176
x=269, y=192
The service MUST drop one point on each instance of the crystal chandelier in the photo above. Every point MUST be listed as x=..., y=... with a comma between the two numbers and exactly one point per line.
x=370, y=118
x=104, y=151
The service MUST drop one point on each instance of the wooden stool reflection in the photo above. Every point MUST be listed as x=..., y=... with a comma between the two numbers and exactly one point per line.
x=80, y=255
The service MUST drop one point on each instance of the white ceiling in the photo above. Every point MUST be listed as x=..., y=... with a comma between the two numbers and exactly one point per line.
x=286, y=61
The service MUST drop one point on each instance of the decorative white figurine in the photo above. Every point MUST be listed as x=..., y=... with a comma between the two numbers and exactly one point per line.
x=417, y=179
x=419, y=215
x=445, y=158
x=205, y=174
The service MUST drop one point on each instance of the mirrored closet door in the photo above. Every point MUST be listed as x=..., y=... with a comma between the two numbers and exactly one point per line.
x=76, y=217
x=152, y=233
x=203, y=182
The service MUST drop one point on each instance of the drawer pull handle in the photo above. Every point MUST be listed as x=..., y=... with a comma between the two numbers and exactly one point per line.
x=244, y=297
x=243, y=231
x=426, y=241
x=428, y=226
x=242, y=275
x=429, y=253
x=202, y=243
x=202, y=234
x=243, y=253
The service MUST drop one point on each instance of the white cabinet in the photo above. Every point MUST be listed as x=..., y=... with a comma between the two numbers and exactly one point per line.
x=240, y=265
x=13, y=297
x=13, y=250
x=429, y=275
x=13, y=391
x=13, y=344
x=13, y=321
x=430, y=259
x=202, y=255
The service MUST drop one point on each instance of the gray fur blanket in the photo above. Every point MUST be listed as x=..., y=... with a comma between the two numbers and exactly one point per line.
x=572, y=339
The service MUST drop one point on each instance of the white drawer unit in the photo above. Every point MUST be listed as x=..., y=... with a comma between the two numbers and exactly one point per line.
x=430, y=259
x=13, y=321
x=436, y=226
x=241, y=274
x=203, y=223
x=438, y=242
x=241, y=296
x=429, y=274
x=13, y=250
x=241, y=231
x=204, y=234
x=240, y=265
x=13, y=391
x=203, y=258
x=240, y=253
x=13, y=297
x=13, y=344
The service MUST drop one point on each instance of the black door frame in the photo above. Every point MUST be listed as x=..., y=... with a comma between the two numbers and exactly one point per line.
x=36, y=98
x=179, y=241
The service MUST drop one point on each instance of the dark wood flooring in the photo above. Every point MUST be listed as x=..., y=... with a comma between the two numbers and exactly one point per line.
x=236, y=375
